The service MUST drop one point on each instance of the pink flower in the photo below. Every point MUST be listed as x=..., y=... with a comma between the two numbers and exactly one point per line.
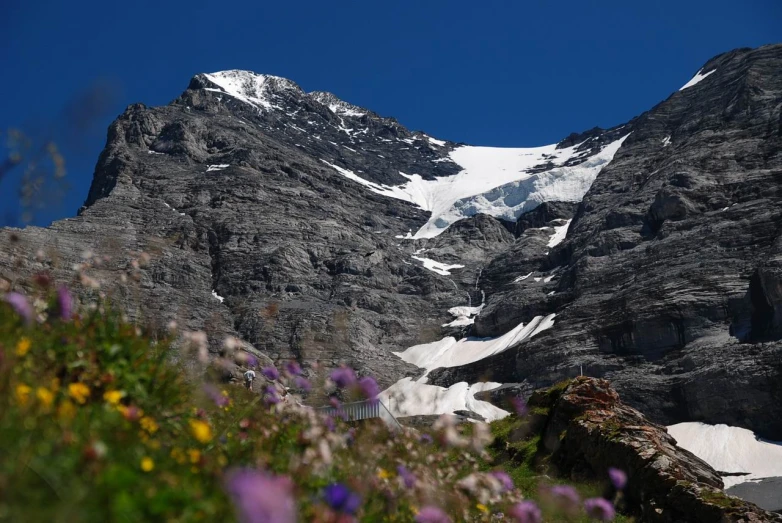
x=432, y=514
x=369, y=388
x=270, y=396
x=302, y=383
x=270, y=373
x=526, y=512
x=618, y=478
x=20, y=304
x=504, y=478
x=566, y=496
x=408, y=479
x=64, y=302
x=260, y=497
x=600, y=509
x=343, y=377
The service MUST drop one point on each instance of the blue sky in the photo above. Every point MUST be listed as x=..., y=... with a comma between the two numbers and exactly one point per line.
x=503, y=73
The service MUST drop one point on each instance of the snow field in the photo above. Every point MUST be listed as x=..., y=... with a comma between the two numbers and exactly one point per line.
x=730, y=449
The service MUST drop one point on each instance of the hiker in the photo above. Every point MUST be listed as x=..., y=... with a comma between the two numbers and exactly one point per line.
x=249, y=376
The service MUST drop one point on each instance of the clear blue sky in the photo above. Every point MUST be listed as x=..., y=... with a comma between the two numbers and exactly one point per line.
x=504, y=73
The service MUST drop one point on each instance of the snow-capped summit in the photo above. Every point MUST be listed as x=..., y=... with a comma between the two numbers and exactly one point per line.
x=252, y=88
x=450, y=181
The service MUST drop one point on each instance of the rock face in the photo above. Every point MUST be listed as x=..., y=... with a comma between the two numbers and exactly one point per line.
x=585, y=429
x=668, y=281
x=276, y=216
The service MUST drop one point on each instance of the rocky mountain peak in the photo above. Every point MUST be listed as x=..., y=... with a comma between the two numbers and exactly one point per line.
x=652, y=249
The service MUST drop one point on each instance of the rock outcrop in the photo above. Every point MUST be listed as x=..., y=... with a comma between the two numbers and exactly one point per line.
x=585, y=428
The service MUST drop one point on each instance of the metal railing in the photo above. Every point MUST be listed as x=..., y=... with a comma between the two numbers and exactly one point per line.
x=361, y=410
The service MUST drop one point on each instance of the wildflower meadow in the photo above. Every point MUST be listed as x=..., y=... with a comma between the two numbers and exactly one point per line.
x=99, y=423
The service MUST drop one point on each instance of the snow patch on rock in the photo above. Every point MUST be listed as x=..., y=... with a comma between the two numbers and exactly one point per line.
x=450, y=352
x=438, y=267
x=699, y=76
x=417, y=398
x=560, y=233
x=730, y=449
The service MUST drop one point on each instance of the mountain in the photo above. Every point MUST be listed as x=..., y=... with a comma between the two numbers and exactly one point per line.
x=312, y=229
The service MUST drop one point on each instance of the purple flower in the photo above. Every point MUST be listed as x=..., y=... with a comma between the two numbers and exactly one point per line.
x=251, y=361
x=369, y=388
x=20, y=304
x=600, y=509
x=618, y=478
x=503, y=478
x=341, y=499
x=432, y=515
x=526, y=512
x=343, y=377
x=64, y=302
x=293, y=368
x=302, y=383
x=426, y=439
x=270, y=373
x=261, y=498
x=407, y=477
x=566, y=496
x=270, y=396
x=519, y=406
x=215, y=395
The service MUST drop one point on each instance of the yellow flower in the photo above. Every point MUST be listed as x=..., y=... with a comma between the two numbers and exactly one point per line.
x=201, y=430
x=79, y=391
x=113, y=396
x=23, y=346
x=483, y=508
x=383, y=473
x=147, y=464
x=149, y=424
x=194, y=455
x=66, y=410
x=222, y=460
x=22, y=393
x=45, y=396
x=178, y=455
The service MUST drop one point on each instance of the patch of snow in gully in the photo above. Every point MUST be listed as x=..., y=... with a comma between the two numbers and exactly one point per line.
x=696, y=79
x=435, y=266
x=218, y=167
x=730, y=449
x=448, y=352
x=465, y=315
x=559, y=234
x=217, y=296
